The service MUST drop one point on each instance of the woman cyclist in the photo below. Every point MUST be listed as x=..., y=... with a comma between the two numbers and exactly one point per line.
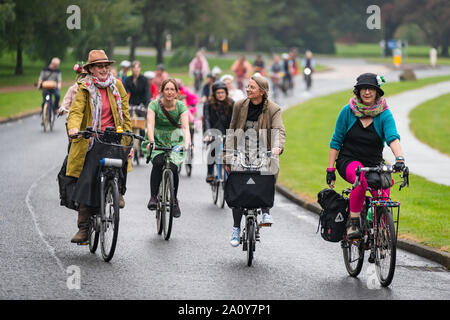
x=163, y=123
x=362, y=128
x=258, y=113
x=217, y=115
x=100, y=102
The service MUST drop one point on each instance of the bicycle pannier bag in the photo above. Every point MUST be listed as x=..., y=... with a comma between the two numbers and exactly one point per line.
x=66, y=187
x=250, y=189
x=334, y=214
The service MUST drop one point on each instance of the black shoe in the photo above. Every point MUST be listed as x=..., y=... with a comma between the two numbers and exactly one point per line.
x=152, y=204
x=353, y=229
x=372, y=257
x=176, y=209
x=209, y=178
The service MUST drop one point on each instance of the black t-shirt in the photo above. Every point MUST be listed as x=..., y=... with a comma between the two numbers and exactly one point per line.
x=360, y=144
x=139, y=92
x=254, y=111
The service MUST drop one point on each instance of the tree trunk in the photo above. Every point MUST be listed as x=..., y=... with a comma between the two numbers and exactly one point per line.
x=133, y=46
x=250, y=42
x=19, y=59
x=110, y=50
x=445, y=43
x=159, y=44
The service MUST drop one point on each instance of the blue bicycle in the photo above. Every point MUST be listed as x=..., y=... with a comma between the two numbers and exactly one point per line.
x=220, y=174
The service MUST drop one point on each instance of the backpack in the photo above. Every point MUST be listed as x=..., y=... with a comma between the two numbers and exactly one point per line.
x=334, y=214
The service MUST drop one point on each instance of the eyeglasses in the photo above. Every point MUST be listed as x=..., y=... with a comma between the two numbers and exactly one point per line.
x=101, y=66
x=252, y=88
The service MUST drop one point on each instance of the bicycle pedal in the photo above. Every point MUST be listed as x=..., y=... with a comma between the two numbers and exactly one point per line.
x=265, y=224
x=83, y=243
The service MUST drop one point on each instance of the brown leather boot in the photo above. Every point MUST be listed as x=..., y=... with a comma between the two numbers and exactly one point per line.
x=83, y=226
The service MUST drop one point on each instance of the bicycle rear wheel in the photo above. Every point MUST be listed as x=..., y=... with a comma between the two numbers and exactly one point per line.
x=110, y=220
x=250, y=241
x=353, y=256
x=385, y=246
x=168, y=199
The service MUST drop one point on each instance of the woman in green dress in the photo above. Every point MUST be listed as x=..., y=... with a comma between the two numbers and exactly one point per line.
x=167, y=126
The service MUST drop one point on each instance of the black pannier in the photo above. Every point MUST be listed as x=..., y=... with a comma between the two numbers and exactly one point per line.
x=250, y=189
x=66, y=187
x=334, y=214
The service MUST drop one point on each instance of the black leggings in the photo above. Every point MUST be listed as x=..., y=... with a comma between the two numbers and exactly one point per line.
x=156, y=175
x=237, y=216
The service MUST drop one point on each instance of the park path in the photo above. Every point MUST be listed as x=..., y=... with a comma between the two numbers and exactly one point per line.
x=420, y=158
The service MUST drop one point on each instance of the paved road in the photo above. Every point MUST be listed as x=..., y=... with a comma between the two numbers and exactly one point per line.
x=292, y=261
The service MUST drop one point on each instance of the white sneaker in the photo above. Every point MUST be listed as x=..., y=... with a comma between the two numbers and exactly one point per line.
x=266, y=219
x=235, y=237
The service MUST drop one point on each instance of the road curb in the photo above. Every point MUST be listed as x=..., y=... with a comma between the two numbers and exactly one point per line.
x=20, y=116
x=433, y=254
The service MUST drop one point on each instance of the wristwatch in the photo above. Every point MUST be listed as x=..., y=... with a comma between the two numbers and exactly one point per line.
x=400, y=158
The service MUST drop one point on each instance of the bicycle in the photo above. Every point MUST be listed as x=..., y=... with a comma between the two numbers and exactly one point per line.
x=138, y=123
x=379, y=229
x=220, y=175
x=48, y=116
x=254, y=179
x=104, y=225
x=166, y=195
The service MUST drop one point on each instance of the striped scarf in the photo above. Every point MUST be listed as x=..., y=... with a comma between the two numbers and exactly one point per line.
x=361, y=110
x=93, y=84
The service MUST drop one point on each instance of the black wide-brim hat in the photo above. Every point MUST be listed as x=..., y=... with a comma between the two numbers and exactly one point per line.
x=369, y=80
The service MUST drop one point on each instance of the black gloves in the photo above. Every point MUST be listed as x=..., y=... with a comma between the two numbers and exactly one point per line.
x=398, y=166
x=331, y=176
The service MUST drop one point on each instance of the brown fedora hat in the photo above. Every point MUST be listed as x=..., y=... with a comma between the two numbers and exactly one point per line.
x=97, y=56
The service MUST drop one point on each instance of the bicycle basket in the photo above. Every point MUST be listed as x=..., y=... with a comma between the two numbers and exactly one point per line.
x=48, y=84
x=112, y=149
x=250, y=189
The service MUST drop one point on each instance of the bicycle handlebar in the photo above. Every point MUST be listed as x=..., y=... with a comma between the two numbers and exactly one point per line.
x=89, y=132
x=241, y=156
x=165, y=149
x=381, y=169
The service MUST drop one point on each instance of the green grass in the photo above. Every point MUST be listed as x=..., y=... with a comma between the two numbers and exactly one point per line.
x=309, y=127
x=430, y=123
x=372, y=52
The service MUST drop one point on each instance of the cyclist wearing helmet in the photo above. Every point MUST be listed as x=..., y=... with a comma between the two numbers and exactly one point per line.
x=217, y=115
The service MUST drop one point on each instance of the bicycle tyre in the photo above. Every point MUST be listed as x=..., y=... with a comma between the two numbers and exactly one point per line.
x=250, y=241
x=353, y=256
x=94, y=235
x=215, y=186
x=188, y=168
x=52, y=117
x=167, y=204
x=110, y=220
x=221, y=188
x=45, y=115
x=385, y=245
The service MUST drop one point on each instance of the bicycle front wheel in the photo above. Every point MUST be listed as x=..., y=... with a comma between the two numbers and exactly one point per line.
x=353, y=256
x=168, y=200
x=215, y=186
x=45, y=118
x=221, y=188
x=385, y=246
x=110, y=220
